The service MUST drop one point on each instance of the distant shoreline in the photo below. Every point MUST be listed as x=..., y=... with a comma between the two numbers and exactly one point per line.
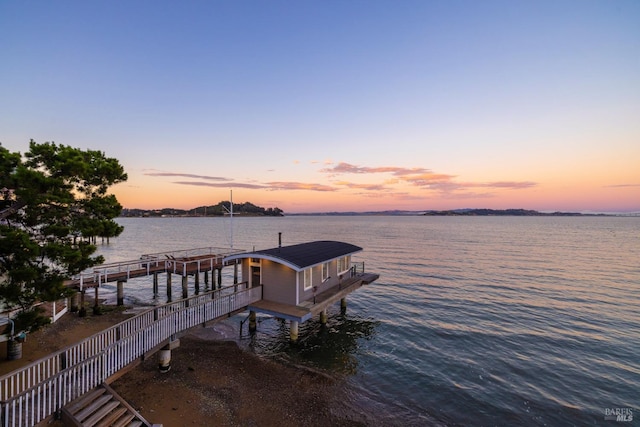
x=177, y=213
x=461, y=212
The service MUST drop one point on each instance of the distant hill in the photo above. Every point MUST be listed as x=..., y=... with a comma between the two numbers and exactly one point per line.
x=455, y=212
x=249, y=209
x=221, y=209
x=501, y=212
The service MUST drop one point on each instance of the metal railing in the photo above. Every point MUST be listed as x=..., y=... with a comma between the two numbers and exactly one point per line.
x=357, y=268
x=35, y=392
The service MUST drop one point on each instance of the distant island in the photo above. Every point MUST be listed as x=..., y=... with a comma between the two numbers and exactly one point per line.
x=221, y=209
x=249, y=209
x=455, y=212
x=502, y=212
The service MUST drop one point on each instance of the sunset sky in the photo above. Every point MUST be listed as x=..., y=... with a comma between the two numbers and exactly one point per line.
x=352, y=105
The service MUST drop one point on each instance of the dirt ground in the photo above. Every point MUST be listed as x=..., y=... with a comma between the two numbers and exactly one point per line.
x=215, y=383
x=210, y=383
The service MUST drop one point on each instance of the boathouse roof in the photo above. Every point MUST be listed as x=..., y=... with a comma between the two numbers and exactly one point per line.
x=303, y=255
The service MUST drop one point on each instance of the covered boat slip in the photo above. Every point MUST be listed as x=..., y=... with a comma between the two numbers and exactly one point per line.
x=308, y=309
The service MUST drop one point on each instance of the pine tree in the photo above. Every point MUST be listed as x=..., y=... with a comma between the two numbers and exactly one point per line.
x=53, y=205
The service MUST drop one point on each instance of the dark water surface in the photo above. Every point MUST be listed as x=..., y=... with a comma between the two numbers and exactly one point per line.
x=474, y=321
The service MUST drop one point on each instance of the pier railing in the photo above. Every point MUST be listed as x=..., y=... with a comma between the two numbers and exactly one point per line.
x=357, y=268
x=35, y=392
x=176, y=262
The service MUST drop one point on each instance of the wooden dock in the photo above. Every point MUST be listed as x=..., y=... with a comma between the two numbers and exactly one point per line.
x=184, y=263
x=43, y=388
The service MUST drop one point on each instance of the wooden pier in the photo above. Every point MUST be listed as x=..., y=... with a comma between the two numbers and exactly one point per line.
x=184, y=263
x=34, y=393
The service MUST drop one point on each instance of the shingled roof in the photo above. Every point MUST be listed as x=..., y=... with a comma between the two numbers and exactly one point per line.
x=303, y=255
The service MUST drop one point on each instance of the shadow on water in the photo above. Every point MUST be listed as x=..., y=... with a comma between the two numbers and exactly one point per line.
x=331, y=347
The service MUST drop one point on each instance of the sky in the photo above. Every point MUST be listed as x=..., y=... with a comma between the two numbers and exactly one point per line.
x=318, y=106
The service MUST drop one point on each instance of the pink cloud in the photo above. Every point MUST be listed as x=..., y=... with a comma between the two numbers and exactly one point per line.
x=343, y=167
x=370, y=187
x=221, y=185
x=299, y=186
x=187, y=175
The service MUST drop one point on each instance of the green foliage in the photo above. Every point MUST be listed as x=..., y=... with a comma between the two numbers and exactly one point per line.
x=30, y=320
x=53, y=202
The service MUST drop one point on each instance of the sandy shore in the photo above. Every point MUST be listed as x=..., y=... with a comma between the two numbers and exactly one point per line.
x=211, y=382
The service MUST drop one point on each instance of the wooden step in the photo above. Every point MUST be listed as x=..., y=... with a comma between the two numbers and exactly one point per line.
x=124, y=420
x=112, y=417
x=85, y=400
x=101, y=407
x=93, y=407
x=101, y=413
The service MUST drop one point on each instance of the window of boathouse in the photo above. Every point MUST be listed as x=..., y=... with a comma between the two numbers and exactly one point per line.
x=325, y=271
x=343, y=264
x=307, y=279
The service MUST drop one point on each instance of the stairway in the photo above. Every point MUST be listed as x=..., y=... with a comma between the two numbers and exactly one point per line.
x=101, y=407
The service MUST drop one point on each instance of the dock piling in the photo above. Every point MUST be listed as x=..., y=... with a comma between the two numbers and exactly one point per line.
x=293, y=330
x=155, y=284
x=73, y=302
x=96, y=301
x=253, y=324
x=120, y=297
x=185, y=286
x=82, y=312
x=168, y=286
x=323, y=316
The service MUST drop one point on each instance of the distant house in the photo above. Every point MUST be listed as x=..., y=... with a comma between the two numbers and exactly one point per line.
x=300, y=281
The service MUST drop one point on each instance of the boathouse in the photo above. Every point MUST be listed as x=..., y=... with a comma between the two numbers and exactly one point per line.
x=300, y=281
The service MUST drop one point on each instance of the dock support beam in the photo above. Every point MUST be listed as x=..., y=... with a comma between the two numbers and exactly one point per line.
x=168, y=286
x=164, y=356
x=74, y=302
x=83, y=310
x=120, y=298
x=219, y=278
x=185, y=287
x=293, y=330
x=343, y=305
x=323, y=316
x=253, y=324
x=155, y=284
x=235, y=273
x=96, y=302
x=197, y=283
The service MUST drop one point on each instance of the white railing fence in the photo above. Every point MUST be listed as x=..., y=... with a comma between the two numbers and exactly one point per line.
x=176, y=262
x=33, y=393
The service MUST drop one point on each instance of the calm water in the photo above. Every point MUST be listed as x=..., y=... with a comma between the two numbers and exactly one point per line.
x=474, y=321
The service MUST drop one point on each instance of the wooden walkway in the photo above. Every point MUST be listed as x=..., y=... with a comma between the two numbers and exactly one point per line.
x=39, y=390
x=184, y=263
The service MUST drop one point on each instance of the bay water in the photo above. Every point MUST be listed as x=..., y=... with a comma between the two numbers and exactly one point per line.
x=473, y=321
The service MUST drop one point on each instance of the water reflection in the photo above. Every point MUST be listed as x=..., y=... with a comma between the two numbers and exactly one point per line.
x=332, y=347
